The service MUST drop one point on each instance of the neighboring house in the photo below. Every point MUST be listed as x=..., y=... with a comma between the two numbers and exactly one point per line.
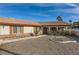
x=12, y=26
x=76, y=25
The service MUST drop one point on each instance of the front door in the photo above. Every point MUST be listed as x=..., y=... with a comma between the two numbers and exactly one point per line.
x=45, y=30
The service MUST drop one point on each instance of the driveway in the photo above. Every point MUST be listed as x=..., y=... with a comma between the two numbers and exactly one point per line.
x=41, y=46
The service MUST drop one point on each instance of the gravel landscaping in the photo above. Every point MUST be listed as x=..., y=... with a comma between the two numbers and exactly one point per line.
x=46, y=45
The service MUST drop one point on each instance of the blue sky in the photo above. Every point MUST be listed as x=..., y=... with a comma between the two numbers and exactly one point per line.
x=40, y=11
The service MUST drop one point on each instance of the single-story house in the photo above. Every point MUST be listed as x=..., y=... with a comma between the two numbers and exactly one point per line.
x=10, y=26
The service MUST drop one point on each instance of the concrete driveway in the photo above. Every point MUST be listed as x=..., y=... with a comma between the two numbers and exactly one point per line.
x=40, y=46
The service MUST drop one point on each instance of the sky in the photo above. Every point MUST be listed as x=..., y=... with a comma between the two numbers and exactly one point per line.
x=40, y=12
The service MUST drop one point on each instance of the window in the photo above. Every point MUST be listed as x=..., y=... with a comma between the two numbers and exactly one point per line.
x=17, y=29
x=14, y=29
x=4, y=26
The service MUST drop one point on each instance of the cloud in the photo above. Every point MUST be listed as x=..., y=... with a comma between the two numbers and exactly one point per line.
x=72, y=10
x=50, y=4
x=72, y=5
x=40, y=14
x=67, y=10
x=6, y=11
x=59, y=8
x=43, y=4
x=73, y=18
x=57, y=5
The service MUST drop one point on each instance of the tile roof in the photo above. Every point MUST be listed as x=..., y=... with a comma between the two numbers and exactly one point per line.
x=56, y=23
x=10, y=21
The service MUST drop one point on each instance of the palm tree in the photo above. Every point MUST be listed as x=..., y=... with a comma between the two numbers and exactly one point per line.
x=59, y=18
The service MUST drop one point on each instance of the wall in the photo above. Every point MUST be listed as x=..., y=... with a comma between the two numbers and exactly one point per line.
x=4, y=30
x=75, y=32
x=40, y=30
x=16, y=29
x=28, y=29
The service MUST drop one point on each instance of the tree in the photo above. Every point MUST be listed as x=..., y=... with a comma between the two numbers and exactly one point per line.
x=70, y=21
x=59, y=18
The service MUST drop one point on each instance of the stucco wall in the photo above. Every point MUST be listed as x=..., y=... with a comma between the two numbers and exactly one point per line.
x=4, y=30
x=40, y=30
x=75, y=32
x=28, y=29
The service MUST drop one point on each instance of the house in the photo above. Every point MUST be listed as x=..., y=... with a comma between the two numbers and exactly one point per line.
x=76, y=25
x=54, y=26
x=10, y=26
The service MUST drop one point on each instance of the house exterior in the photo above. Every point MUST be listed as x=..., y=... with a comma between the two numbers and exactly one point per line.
x=12, y=26
x=54, y=26
x=76, y=25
